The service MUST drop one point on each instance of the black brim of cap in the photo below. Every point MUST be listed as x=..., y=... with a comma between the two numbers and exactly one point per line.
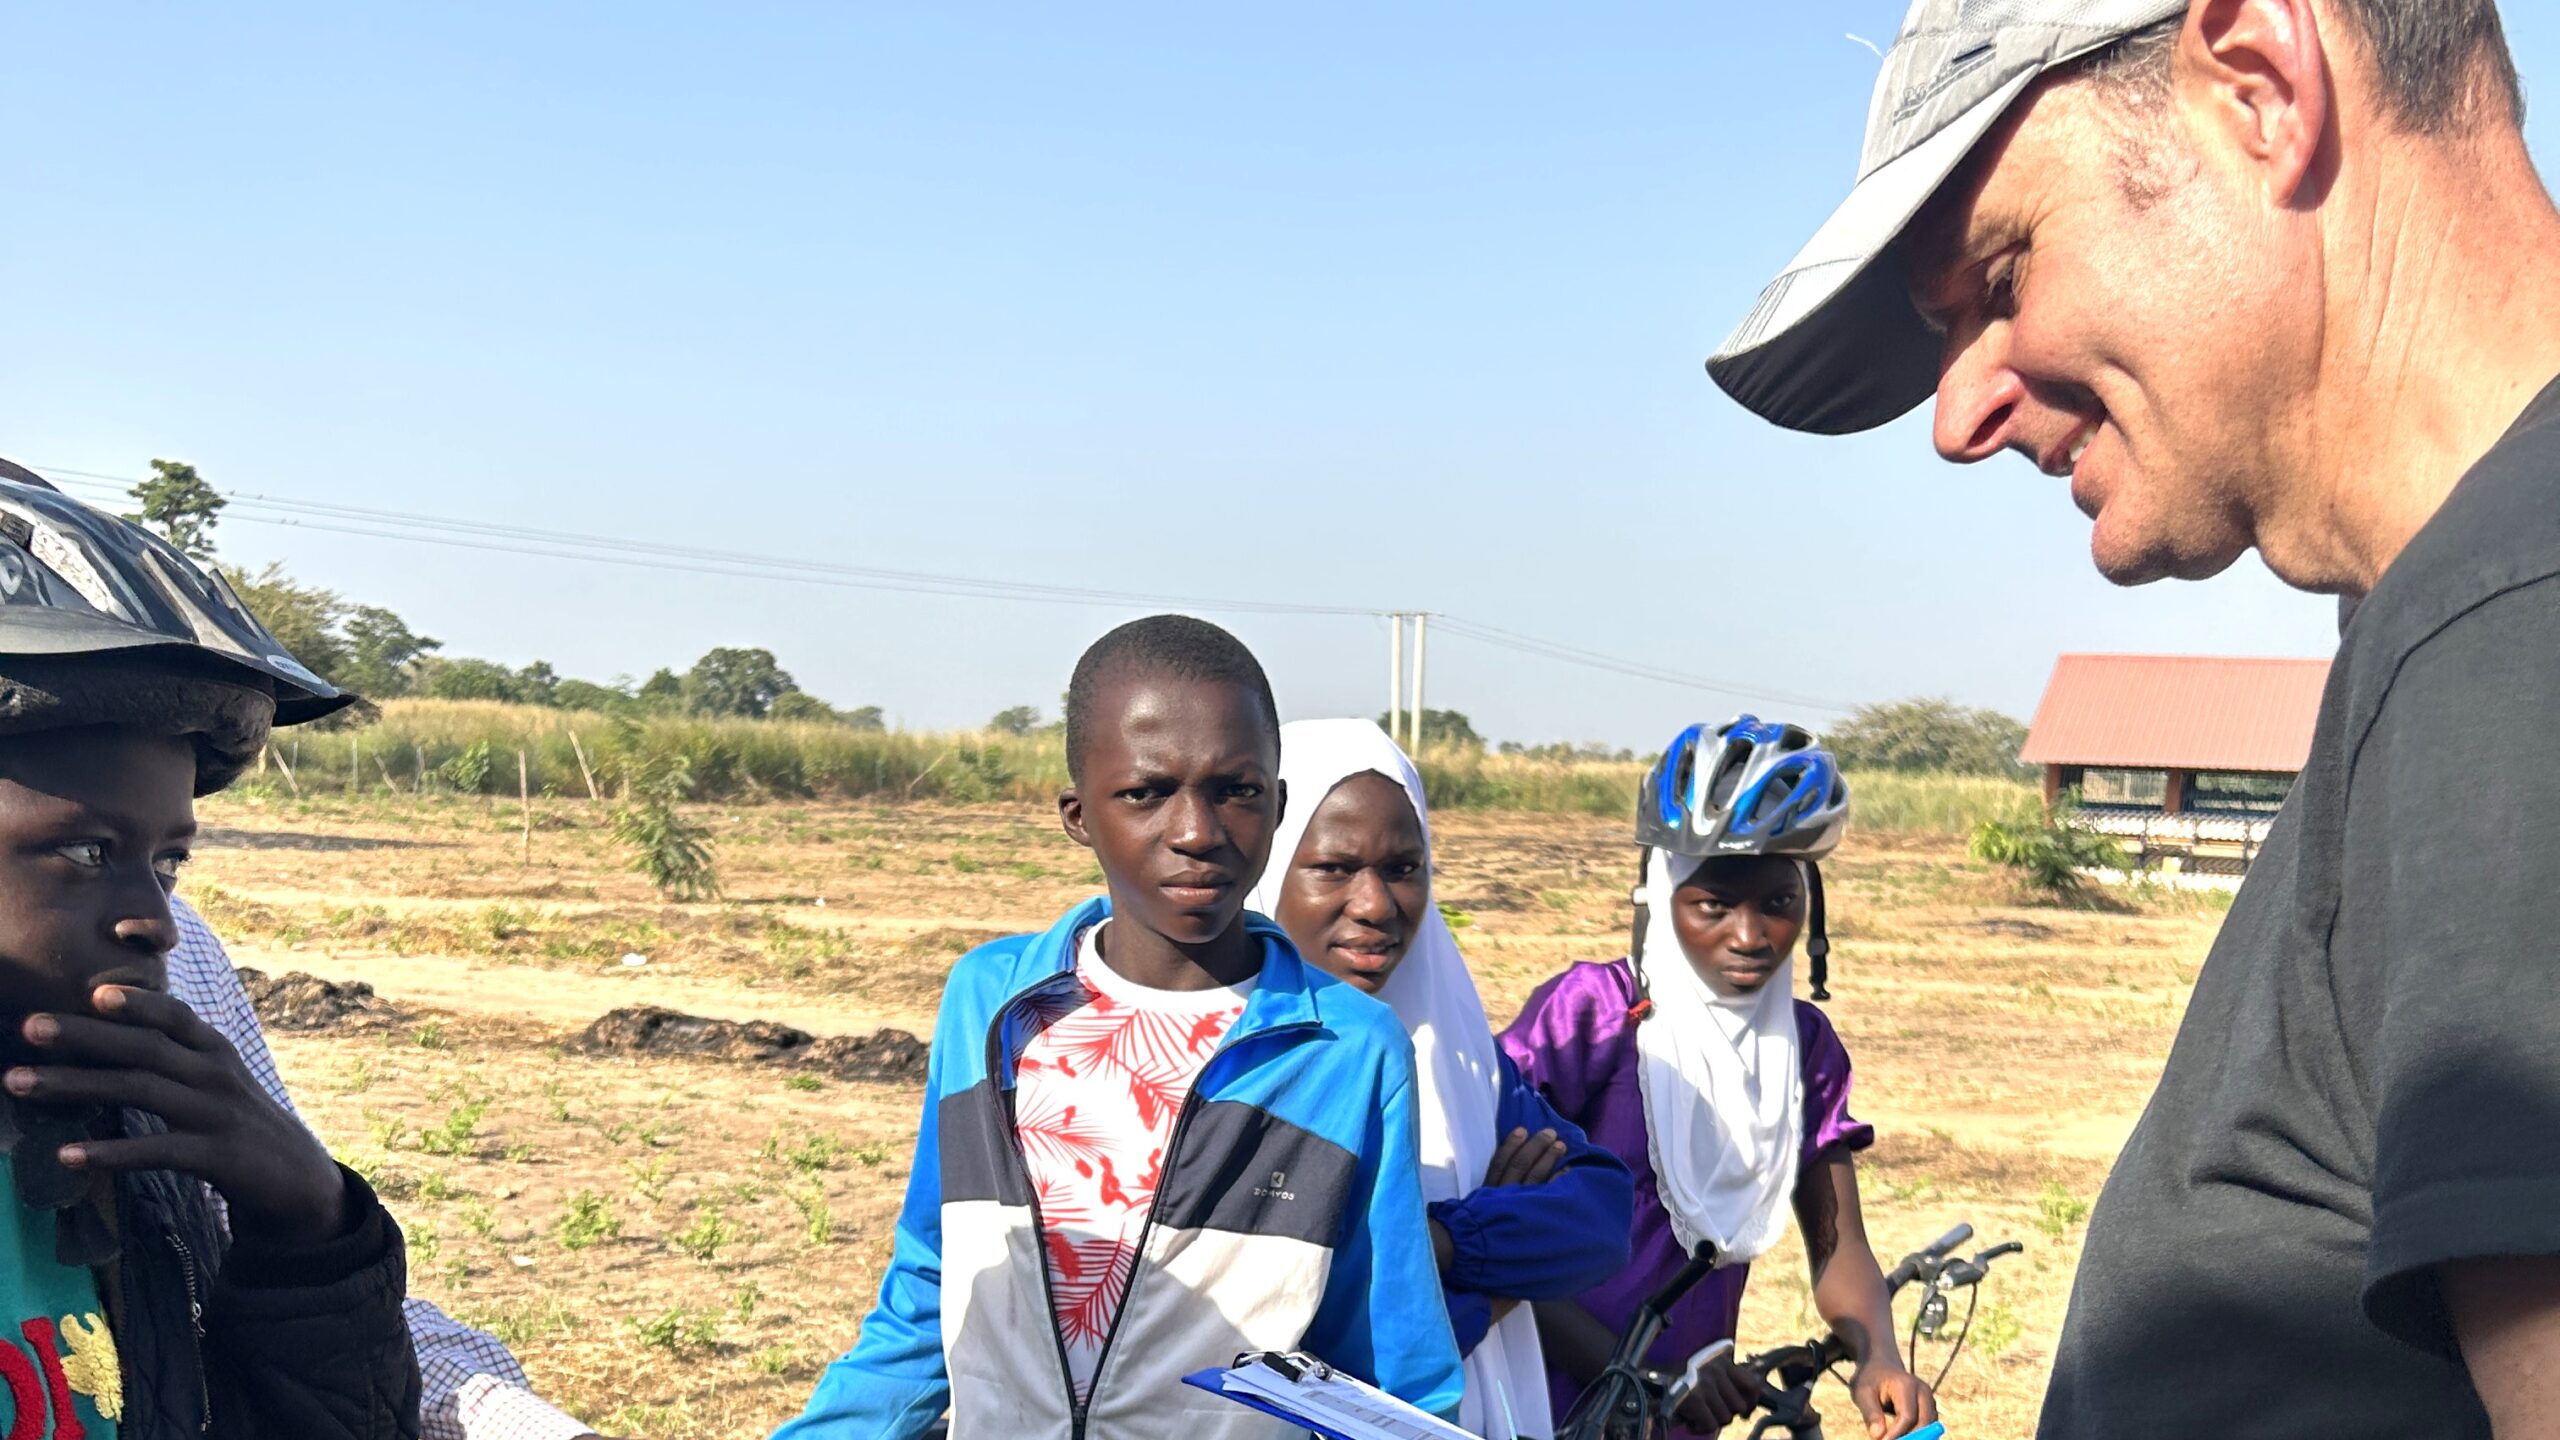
x=39, y=630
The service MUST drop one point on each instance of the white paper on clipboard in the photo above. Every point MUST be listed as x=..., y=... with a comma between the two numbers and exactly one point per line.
x=1304, y=1389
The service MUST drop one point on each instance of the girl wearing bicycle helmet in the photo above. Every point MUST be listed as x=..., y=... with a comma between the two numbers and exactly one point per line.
x=1692, y=1059
x=132, y=682
x=1522, y=1206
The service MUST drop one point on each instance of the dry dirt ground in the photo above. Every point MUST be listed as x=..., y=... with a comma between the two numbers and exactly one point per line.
x=676, y=1246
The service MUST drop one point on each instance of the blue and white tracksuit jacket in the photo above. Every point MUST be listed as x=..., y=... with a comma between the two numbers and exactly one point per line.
x=1290, y=1217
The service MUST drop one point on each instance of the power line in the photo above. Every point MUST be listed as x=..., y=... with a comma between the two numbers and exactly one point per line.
x=562, y=544
x=1592, y=659
x=496, y=538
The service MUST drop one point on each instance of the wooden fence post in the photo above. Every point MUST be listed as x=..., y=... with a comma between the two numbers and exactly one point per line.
x=583, y=769
x=524, y=795
x=287, y=767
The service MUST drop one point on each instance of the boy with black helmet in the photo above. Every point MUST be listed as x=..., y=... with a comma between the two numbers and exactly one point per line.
x=1692, y=1060
x=132, y=681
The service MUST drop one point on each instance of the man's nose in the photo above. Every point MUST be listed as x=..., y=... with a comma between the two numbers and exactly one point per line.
x=1978, y=396
x=147, y=925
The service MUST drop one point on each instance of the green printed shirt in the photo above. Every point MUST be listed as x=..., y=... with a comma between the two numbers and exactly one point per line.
x=58, y=1365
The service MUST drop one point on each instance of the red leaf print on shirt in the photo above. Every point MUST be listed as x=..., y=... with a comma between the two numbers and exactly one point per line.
x=1208, y=1030
x=1052, y=1135
x=1088, y=1301
x=1159, y=1095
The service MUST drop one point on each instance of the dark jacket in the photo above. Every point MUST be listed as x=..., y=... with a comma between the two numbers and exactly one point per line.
x=246, y=1341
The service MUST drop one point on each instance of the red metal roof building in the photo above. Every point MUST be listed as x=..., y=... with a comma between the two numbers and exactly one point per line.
x=2188, y=753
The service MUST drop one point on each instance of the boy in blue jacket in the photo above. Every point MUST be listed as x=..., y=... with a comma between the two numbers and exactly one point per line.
x=1153, y=1137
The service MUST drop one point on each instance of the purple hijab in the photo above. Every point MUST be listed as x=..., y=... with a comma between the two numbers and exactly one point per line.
x=1575, y=1042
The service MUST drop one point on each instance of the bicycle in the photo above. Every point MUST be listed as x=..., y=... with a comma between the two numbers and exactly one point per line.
x=1633, y=1401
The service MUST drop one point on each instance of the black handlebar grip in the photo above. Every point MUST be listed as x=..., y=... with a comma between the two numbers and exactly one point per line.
x=2000, y=1251
x=1951, y=1240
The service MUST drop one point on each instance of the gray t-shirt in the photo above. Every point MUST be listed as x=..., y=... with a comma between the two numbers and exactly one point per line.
x=2367, y=1082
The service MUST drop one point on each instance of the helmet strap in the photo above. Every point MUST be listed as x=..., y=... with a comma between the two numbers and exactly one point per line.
x=1641, y=1006
x=1817, y=948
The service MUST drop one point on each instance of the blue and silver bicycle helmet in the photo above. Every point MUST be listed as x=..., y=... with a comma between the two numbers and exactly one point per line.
x=1750, y=787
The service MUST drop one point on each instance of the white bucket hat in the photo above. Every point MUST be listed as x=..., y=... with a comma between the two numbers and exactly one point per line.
x=1835, y=344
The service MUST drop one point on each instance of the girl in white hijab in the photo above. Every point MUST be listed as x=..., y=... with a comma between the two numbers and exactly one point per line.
x=1523, y=1207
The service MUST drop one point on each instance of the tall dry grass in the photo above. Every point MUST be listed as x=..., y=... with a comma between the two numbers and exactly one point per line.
x=473, y=745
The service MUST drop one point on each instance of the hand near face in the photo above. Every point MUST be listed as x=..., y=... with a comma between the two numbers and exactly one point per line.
x=146, y=1050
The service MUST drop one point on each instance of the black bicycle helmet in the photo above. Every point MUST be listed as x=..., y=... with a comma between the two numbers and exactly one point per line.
x=86, y=597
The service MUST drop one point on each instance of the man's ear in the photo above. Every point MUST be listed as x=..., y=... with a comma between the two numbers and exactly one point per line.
x=1280, y=816
x=2265, y=80
x=1071, y=816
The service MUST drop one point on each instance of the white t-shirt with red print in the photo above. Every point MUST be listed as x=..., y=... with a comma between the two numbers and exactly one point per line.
x=1100, y=1081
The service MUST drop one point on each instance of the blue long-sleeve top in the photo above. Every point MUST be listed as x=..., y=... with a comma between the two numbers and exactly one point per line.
x=1535, y=1242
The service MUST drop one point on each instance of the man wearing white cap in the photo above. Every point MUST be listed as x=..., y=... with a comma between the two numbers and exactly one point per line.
x=2274, y=274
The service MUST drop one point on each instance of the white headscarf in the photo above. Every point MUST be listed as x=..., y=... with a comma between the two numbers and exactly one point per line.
x=1458, y=1069
x=1723, y=1089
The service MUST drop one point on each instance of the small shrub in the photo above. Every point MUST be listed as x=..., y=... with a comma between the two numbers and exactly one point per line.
x=2047, y=855
x=677, y=1330
x=651, y=1179
x=818, y=1152
x=803, y=1083
x=2057, y=1209
x=453, y=1137
x=817, y=1216
x=705, y=1237
x=1995, y=1330
x=589, y=1219
x=673, y=853
x=469, y=771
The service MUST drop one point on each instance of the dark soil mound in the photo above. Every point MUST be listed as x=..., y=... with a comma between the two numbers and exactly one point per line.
x=307, y=1002
x=654, y=1030
x=880, y=1055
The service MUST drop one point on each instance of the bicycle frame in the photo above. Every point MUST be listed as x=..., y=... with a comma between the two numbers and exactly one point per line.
x=1626, y=1403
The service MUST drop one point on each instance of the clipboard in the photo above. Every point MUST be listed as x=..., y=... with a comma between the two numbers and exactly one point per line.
x=1305, y=1391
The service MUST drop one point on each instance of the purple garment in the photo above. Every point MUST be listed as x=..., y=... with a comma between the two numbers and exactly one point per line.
x=1575, y=1042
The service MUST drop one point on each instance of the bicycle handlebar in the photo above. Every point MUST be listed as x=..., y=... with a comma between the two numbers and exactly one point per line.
x=1926, y=1262
x=1959, y=1274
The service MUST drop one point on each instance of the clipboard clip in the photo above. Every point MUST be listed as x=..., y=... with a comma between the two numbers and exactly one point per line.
x=1293, y=1364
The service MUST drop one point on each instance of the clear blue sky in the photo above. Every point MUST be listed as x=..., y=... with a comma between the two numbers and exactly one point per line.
x=1388, y=305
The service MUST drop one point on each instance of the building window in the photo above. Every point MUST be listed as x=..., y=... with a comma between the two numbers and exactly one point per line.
x=2236, y=793
x=2149, y=788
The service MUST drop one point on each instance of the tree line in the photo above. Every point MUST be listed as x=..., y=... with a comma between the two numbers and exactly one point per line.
x=374, y=652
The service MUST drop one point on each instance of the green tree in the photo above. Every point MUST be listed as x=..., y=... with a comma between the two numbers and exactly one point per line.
x=867, y=717
x=1019, y=720
x=178, y=503
x=803, y=707
x=305, y=618
x=736, y=682
x=538, y=684
x=663, y=690
x=1442, y=727
x=465, y=678
x=1930, y=734
x=383, y=652
x=588, y=695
